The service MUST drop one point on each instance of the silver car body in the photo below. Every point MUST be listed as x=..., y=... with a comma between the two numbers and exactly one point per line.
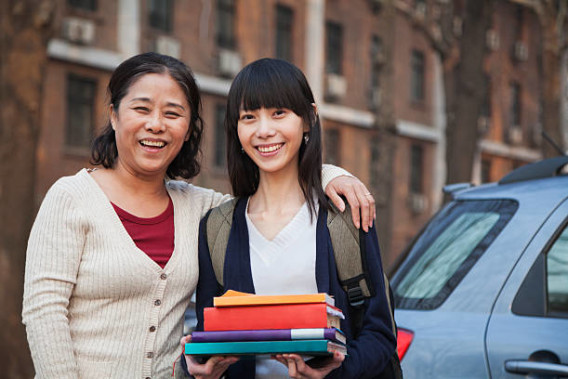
x=474, y=332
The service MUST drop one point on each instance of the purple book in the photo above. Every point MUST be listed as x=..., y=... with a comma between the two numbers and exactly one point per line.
x=331, y=334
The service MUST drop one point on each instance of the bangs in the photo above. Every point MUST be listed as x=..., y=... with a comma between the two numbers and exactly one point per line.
x=269, y=86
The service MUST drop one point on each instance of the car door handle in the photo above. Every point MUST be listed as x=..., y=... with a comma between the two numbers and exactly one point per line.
x=532, y=367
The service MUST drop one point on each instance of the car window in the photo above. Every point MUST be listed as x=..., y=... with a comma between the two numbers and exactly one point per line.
x=557, y=274
x=447, y=249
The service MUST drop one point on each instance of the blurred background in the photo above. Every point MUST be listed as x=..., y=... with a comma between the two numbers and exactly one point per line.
x=413, y=95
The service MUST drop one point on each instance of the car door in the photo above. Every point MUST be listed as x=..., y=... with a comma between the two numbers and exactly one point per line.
x=527, y=333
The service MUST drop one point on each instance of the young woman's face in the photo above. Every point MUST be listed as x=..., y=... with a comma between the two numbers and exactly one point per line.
x=272, y=137
x=151, y=125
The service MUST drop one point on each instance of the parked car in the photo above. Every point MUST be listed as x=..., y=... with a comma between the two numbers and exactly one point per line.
x=482, y=292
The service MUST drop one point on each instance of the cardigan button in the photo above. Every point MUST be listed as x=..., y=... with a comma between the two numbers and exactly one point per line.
x=164, y=276
x=152, y=328
x=150, y=355
x=158, y=302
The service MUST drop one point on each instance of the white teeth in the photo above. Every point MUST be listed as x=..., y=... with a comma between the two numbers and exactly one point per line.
x=153, y=143
x=269, y=149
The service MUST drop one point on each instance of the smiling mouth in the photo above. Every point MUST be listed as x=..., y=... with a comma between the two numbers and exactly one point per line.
x=269, y=148
x=147, y=143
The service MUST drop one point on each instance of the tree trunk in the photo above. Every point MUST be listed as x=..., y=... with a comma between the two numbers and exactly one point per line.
x=551, y=76
x=385, y=125
x=465, y=86
x=25, y=27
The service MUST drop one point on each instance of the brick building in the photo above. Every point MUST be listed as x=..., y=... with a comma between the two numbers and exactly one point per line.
x=361, y=63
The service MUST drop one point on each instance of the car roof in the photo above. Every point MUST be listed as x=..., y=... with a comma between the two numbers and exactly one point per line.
x=541, y=183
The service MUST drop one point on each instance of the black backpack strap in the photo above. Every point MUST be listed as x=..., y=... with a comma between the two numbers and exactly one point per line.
x=350, y=258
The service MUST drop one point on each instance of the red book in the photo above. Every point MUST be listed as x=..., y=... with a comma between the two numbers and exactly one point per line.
x=285, y=316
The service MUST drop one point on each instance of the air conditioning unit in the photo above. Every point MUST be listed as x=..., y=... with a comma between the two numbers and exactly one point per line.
x=336, y=86
x=229, y=62
x=515, y=135
x=420, y=11
x=78, y=30
x=375, y=97
x=521, y=51
x=380, y=58
x=483, y=124
x=167, y=46
x=417, y=203
x=492, y=40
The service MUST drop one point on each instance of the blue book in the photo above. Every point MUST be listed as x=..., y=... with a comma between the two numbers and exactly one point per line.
x=304, y=347
x=331, y=334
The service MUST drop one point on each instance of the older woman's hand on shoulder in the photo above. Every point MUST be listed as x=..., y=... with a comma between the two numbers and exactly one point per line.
x=358, y=196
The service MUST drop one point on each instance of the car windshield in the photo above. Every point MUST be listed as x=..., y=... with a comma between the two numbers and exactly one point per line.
x=447, y=249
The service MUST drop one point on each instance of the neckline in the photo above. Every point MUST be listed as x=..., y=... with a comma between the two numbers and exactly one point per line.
x=124, y=214
x=287, y=233
x=111, y=214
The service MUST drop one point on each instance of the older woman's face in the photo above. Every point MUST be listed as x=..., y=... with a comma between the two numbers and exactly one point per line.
x=151, y=125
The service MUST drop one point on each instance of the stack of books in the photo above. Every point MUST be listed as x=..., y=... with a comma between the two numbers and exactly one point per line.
x=246, y=324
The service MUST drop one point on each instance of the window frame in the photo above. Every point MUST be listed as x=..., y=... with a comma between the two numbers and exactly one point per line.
x=220, y=145
x=92, y=5
x=417, y=76
x=73, y=102
x=225, y=25
x=507, y=209
x=284, y=21
x=157, y=18
x=531, y=298
x=334, y=47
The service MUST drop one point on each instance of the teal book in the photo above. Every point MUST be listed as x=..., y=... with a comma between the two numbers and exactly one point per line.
x=304, y=347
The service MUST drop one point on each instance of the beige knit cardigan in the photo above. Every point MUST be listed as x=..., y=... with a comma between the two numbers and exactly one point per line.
x=96, y=306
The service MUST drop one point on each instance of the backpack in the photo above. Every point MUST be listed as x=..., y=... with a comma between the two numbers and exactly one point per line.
x=349, y=250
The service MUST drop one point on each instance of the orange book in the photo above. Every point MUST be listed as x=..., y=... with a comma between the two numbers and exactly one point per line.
x=234, y=298
x=282, y=316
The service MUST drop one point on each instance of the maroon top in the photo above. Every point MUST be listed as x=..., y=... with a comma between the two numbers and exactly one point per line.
x=154, y=235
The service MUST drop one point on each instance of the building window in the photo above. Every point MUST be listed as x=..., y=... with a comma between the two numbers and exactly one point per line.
x=332, y=145
x=485, y=170
x=515, y=104
x=334, y=48
x=486, y=106
x=220, y=139
x=284, y=22
x=417, y=76
x=376, y=58
x=80, y=111
x=416, y=169
x=226, y=24
x=374, y=166
x=160, y=13
x=88, y=5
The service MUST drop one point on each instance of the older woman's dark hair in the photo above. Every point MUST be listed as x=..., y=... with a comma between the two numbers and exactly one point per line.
x=186, y=163
x=274, y=83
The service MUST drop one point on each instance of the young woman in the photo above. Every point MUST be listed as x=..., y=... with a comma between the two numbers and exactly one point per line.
x=112, y=256
x=279, y=242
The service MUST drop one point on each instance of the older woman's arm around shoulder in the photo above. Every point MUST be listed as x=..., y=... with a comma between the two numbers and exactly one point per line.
x=52, y=261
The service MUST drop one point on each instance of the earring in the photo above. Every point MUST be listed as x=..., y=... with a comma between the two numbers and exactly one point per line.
x=242, y=149
x=306, y=138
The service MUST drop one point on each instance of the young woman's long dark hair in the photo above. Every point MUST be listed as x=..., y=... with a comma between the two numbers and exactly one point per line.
x=274, y=83
x=186, y=163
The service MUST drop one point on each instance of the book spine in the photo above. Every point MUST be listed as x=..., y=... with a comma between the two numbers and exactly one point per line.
x=241, y=335
x=232, y=301
x=290, y=316
x=312, y=347
x=266, y=335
